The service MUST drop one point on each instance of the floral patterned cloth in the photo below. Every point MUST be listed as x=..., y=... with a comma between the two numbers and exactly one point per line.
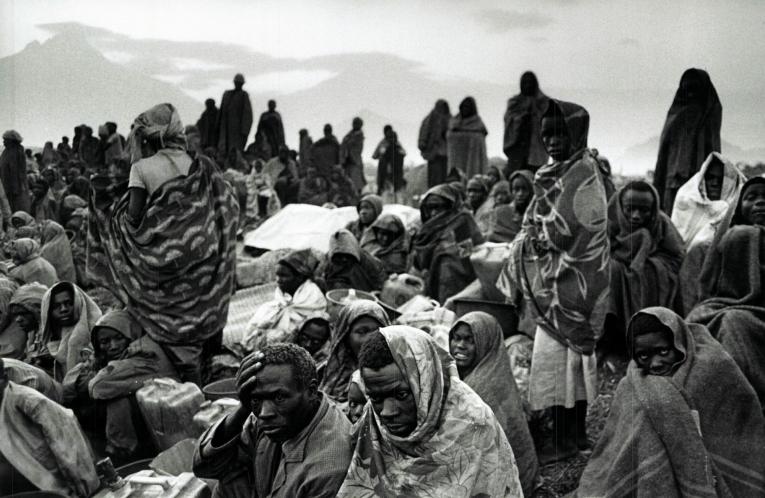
x=458, y=448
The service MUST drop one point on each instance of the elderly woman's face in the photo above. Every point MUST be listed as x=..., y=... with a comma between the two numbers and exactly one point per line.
x=391, y=396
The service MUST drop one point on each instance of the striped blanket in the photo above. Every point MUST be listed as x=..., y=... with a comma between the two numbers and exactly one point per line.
x=175, y=271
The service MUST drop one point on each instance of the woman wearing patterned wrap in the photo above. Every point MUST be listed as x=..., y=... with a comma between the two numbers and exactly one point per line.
x=170, y=258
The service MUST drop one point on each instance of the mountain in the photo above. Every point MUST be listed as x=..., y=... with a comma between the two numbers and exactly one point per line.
x=50, y=87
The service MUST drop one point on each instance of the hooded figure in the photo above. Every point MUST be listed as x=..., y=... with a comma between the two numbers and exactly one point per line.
x=645, y=259
x=372, y=205
x=350, y=155
x=432, y=142
x=443, y=244
x=691, y=132
x=488, y=377
x=466, y=140
x=391, y=243
x=695, y=431
x=696, y=215
x=13, y=172
x=234, y=118
x=350, y=266
x=342, y=360
x=523, y=140
x=13, y=340
x=478, y=188
x=65, y=343
x=507, y=218
x=30, y=266
x=559, y=263
x=57, y=250
x=207, y=124
x=123, y=359
x=732, y=292
x=390, y=165
x=271, y=127
x=457, y=447
x=278, y=320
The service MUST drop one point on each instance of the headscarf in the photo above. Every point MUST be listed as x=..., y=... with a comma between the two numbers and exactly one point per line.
x=432, y=137
x=694, y=214
x=363, y=232
x=29, y=297
x=680, y=434
x=365, y=274
x=162, y=121
x=302, y=262
x=393, y=224
x=57, y=250
x=342, y=362
x=566, y=285
x=501, y=187
x=24, y=217
x=13, y=135
x=25, y=250
x=457, y=448
x=492, y=380
x=75, y=338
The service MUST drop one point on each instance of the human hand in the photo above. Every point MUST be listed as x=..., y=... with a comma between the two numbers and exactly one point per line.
x=246, y=378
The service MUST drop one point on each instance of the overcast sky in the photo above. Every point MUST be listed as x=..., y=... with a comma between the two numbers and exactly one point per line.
x=624, y=44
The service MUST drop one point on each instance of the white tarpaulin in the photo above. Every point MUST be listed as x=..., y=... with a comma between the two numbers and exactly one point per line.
x=303, y=226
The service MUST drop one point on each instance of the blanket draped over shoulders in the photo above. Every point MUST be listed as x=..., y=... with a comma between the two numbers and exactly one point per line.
x=698, y=432
x=174, y=271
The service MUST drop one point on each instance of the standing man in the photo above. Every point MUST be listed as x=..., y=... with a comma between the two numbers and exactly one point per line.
x=350, y=154
x=13, y=172
x=208, y=125
x=270, y=125
x=235, y=118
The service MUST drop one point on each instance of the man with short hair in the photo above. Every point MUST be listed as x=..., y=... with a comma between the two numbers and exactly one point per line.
x=286, y=439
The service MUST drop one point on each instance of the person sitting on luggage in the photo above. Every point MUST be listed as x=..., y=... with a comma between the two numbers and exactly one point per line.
x=286, y=439
x=41, y=445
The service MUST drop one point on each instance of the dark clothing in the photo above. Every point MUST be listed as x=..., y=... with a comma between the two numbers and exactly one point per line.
x=325, y=153
x=390, y=165
x=13, y=173
x=270, y=125
x=691, y=132
x=90, y=148
x=312, y=464
x=234, y=120
x=208, y=128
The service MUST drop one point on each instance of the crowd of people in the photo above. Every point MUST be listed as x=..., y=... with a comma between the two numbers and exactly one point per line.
x=344, y=400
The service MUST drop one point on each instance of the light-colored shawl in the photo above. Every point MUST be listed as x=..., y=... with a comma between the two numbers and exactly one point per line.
x=342, y=362
x=492, y=379
x=161, y=121
x=694, y=215
x=457, y=449
x=43, y=441
x=74, y=339
x=30, y=266
x=57, y=250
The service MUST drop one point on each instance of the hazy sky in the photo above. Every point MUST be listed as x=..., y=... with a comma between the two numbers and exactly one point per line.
x=622, y=44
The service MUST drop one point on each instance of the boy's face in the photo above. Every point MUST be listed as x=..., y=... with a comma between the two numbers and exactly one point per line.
x=655, y=353
x=637, y=207
x=356, y=402
x=753, y=204
x=713, y=180
x=555, y=138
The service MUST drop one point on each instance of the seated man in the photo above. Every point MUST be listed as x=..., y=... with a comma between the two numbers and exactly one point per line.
x=350, y=266
x=296, y=297
x=683, y=422
x=424, y=431
x=646, y=254
x=123, y=358
x=286, y=439
x=369, y=208
x=41, y=445
x=68, y=315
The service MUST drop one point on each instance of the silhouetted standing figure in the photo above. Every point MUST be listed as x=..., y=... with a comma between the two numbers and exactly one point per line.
x=270, y=125
x=208, y=125
x=235, y=118
x=522, y=140
x=432, y=142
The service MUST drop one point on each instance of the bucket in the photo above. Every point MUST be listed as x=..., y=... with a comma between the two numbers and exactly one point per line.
x=224, y=388
x=338, y=298
x=505, y=314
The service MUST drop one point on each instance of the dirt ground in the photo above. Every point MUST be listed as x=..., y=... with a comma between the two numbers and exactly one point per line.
x=561, y=478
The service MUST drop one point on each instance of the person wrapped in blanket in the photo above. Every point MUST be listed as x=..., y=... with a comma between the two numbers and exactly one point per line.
x=391, y=243
x=476, y=343
x=41, y=445
x=559, y=263
x=700, y=205
x=22, y=319
x=646, y=254
x=296, y=298
x=167, y=249
x=684, y=421
x=733, y=297
x=313, y=335
x=30, y=265
x=423, y=431
x=441, y=248
x=105, y=383
x=369, y=208
x=351, y=267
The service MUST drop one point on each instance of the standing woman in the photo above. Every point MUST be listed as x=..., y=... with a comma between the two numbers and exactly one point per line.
x=691, y=132
x=432, y=142
x=167, y=249
x=13, y=172
x=466, y=140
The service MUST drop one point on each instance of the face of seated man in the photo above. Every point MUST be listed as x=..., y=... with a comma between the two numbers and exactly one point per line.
x=638, y=208
x=388, y=390
x=655, y=353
